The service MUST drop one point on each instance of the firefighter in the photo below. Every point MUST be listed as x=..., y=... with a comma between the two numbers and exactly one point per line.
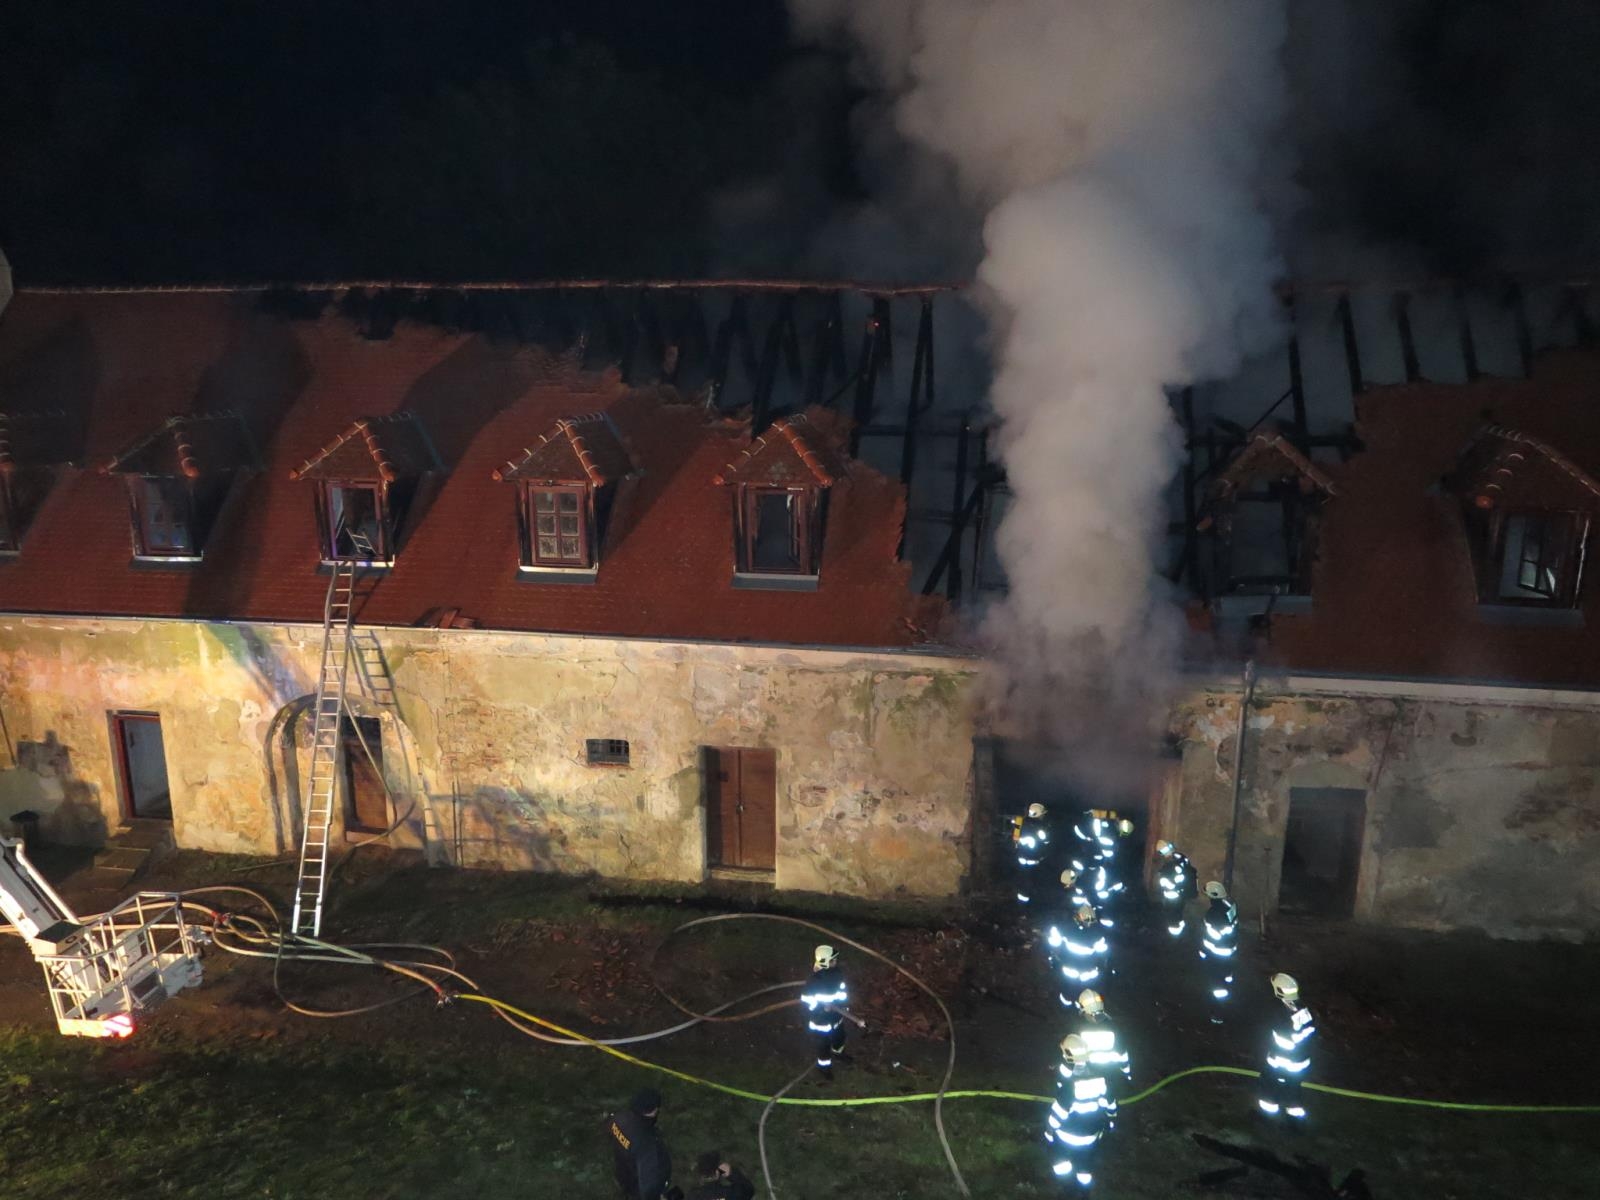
x=1175, y=878
x=825, y=997
x=1084, y=1109
x=1077, y=894
x=643, y=1163
x=1032, y=837
x=720, y=1179
x=1288, y=1055
x=1078, y=950
x=1218, y=941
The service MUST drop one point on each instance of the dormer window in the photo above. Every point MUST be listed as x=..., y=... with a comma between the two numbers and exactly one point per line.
x=780, y=487
x=366, y=479
x=566, y=482
x=1261, y=521
x=178, y=479
x=33, y=445
x=1527, y=510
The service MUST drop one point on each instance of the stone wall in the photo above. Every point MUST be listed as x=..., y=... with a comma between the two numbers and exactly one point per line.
x=483, y=744
x=1480, y=814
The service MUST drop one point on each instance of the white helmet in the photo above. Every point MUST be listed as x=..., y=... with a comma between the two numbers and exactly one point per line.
x=1084, y=913
x=1216, y=891
x=1069, y=877
x=1285, y=988
x=1074, y=1048
x=825, y=957
x=1124, y=827
x=1091, y=1003
x=1164, y=848
x=1036, y=811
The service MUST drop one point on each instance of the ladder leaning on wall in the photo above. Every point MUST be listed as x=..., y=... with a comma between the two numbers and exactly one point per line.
x=327, y=744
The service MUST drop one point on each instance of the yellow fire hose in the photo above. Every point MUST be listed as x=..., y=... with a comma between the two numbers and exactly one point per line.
x=989, y=1093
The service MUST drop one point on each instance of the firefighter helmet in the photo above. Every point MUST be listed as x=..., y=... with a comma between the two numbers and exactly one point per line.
x=1124, y=827
x=1164, y=848
x=1285, y=988
x=1036, y=811
x=1084, y=914
x=1216, y=891
x=1069, y=877
x=825, y=957
x=1091, y=1003
x=1074, y=1048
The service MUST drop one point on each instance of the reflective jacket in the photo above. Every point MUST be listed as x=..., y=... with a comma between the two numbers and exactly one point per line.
x=1079, y=949
x=643, y=1163
x=1176, y=879
x=1032, y=836
x=1289, y=1052
x=824, y=996
x=1221, y=925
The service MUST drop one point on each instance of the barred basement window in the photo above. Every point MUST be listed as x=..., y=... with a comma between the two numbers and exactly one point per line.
x=607, y=752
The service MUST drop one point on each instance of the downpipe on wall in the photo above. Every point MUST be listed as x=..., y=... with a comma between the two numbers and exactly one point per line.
x=1238, y=768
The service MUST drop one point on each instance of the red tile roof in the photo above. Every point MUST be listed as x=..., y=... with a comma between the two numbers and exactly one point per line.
x=578, y=451
x=117, y=365
x=387, y=448
x=187, y=445
x=33, y=439
x=1507, y=466
x=792, y=452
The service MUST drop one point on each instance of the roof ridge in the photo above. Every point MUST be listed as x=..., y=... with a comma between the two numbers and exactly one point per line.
x=1556, y=458
x=798, y=442
x=175, y=425
x=567, y=427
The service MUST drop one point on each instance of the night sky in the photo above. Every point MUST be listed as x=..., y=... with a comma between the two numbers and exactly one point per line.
x=248, y=141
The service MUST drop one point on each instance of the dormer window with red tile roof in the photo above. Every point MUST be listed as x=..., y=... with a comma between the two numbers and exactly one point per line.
x=178, y=478
x=566, y=482
x=780, y=489
x=365, y=481
x=33, y=446
x=1527, y=511
x=1262, y=519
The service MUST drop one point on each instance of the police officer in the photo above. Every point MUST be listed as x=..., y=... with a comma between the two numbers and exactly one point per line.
x=1288, y=1054
x=825, y=996
x=1032, y=837
x=1175, y=878
x=643, y=1163
x=720, y=1179
x=1084, y=1108
x=1078, y=950
x=1218, y=941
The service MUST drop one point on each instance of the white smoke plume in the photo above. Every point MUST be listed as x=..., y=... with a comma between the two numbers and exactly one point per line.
x=1120, y=150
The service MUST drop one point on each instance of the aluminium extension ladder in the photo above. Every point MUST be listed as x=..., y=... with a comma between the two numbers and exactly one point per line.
x=327, y=744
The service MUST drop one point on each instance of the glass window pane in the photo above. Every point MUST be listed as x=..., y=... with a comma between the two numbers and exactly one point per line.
x=569, y=502
x=544, y=501
x=776, y=544
x=569, y=548
x=569, y=524
x=547, y=547
x=547, y=524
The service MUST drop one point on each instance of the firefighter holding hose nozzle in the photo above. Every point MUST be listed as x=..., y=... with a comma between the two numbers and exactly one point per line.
x=825, y=996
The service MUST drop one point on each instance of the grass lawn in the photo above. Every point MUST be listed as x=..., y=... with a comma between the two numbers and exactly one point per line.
x=223, y=1094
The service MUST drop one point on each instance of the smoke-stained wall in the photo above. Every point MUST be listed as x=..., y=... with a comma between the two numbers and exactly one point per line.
x=482, y=745
x=1478, y=814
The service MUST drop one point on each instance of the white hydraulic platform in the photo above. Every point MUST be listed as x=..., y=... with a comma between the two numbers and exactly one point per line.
x=104, y=971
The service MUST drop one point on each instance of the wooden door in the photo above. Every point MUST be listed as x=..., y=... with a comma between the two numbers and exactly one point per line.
x=742, y=807
x=366, y=804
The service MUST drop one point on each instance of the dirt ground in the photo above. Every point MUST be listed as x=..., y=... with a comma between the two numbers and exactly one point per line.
x=225, y=1093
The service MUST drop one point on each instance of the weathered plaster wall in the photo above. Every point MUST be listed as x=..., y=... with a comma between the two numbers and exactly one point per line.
x=483, y=744
x=1479, y=815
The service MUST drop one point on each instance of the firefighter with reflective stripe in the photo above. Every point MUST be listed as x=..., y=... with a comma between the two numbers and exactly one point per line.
x=1288, y=1053
x=1175, y=879
x=1092, y=886
x=1032, y=837
x=1218, y=941
x=1084, y=1108
x=825, y=997
x=1078, y=950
